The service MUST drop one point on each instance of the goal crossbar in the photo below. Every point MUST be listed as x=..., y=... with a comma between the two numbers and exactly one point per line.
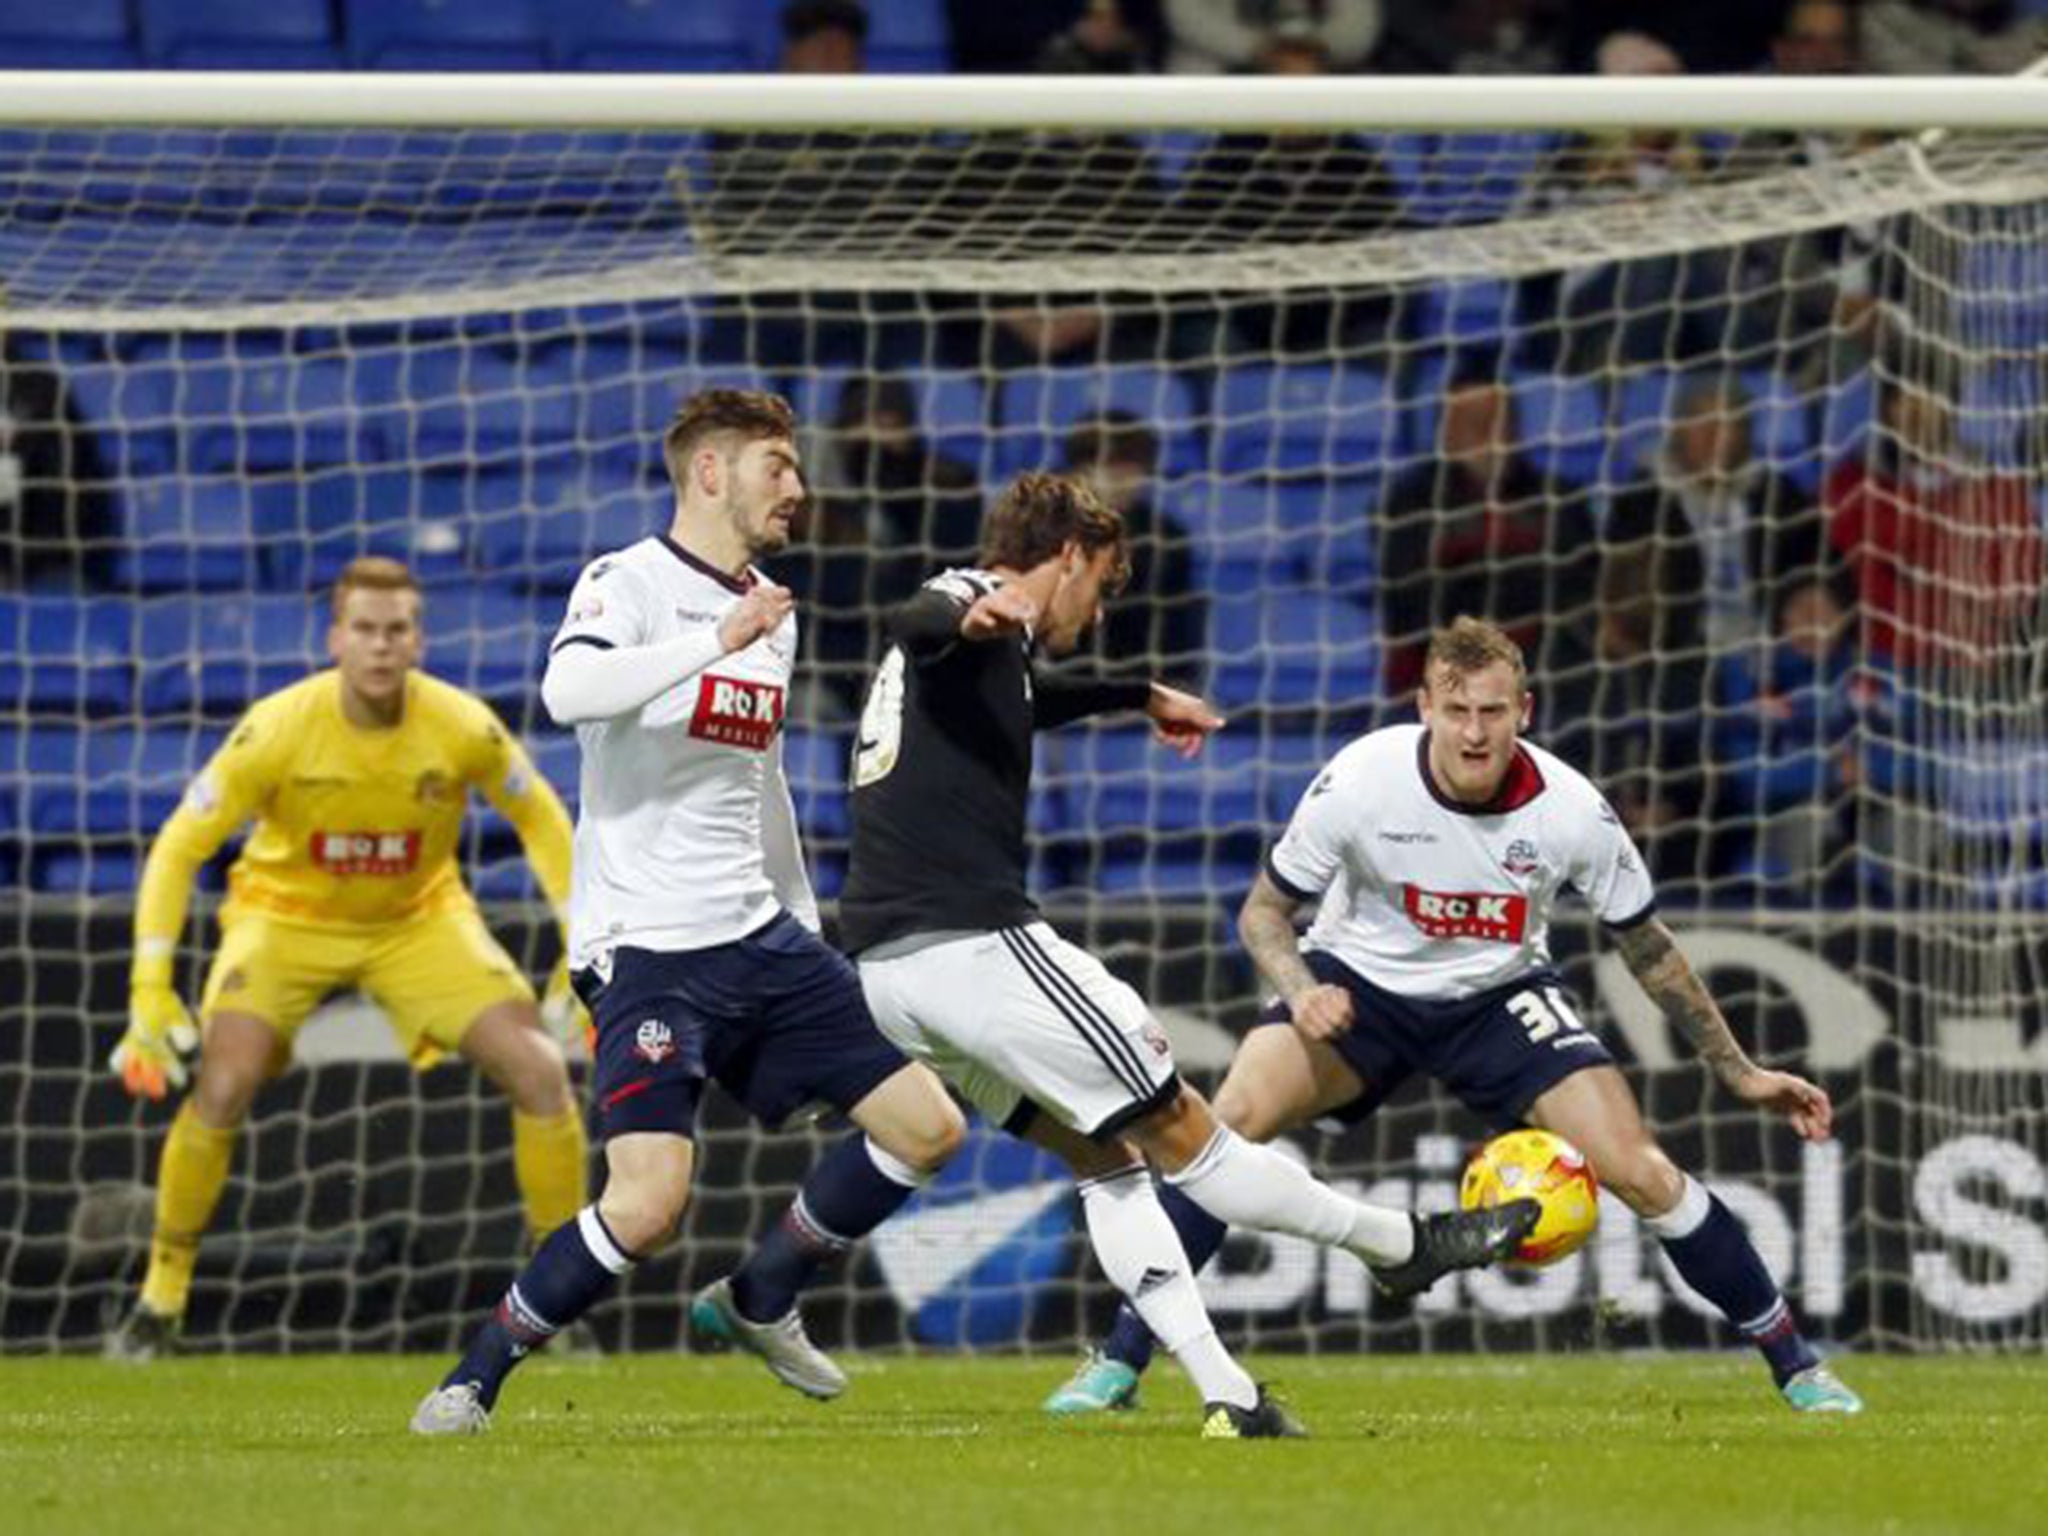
x=789, y=103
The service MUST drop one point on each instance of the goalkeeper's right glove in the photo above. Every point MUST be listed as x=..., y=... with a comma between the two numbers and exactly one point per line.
x=151, y=1055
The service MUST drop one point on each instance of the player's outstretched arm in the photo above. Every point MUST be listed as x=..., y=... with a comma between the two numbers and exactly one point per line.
x=150, y=1058
x=1663, y=972
x=592, y=681
x=511, y=783
x=1266, y=925
x=1182, y=721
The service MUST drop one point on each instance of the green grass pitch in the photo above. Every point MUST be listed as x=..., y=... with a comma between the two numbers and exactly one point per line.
x=1650, y=1446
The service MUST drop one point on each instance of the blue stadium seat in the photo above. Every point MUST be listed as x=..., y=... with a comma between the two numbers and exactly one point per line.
x=66, y=655
x=1997, y=416
x=492, y=642
x=66, y=34
x=952, y=411
x=624, y=414
x=636, y=35
x=1277, y=648
x=816, y=765
x=445, y=34
x=188, y=535
x=111, y=781
x=560, y=760
x=265, y=413
x=314, y=526
x=131, y=405
x=2002, y=300
x=1118, y=780
x=1252, y=533
x=1036, y=408
x=1848, y=412
x=1561, y=425
x=218, y=654
x=1463, y=178
x=1468, y=311
x=1303, y=418
x=537, y=529
x=234, y=34
x=460, y=403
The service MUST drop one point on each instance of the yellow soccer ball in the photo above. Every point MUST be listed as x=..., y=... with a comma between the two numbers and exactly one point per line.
x=1537, y=1165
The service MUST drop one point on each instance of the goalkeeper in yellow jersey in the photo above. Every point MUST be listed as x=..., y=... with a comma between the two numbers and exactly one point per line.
x=357, y=779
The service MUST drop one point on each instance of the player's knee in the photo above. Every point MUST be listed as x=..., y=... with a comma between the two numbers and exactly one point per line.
x=928, y=1141
x=224, y=1091
x=643, y=1214
x=1643, y=1178
x=538, y=1085
x=1247, y=1112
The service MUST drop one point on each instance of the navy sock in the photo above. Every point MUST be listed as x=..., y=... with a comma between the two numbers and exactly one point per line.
x=1719, y=1261
x=1201, y=1235
x=566, y=1277
x=854, y=1188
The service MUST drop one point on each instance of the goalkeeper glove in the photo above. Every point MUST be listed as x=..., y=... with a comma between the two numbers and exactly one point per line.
x=562, y=1011
x=151, y=1055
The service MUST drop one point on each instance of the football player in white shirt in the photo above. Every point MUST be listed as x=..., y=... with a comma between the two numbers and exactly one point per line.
x=693, y=933
x=1435, y=853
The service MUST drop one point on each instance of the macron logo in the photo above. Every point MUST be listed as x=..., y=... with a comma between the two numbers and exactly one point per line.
x=1467, y=914
x=735, y=713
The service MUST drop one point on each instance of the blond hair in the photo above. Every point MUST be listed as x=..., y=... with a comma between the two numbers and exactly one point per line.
x=1467, y=645
x=372, y=573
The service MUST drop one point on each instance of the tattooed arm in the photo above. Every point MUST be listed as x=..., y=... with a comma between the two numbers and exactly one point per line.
x=1266, y=925
x=1653, y=958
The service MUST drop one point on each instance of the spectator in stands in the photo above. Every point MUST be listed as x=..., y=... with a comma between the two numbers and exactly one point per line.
x=1705, y=37
x=1156, y=628
x=891, y=511
x=1633, y=718
x=812, y=191
x=1715, y=528
x=1084, y=193
x=1064, y=36
x=1644, y=311
x=1479, y=530
x=1802, y=726
x=55, y=525
x=1296, y=189
x=1471, y=37
x=1817, y=37
x=1946, y=37
x=824, y=37
x=1945, y=555
x=1109, y=37
x=1213, y=37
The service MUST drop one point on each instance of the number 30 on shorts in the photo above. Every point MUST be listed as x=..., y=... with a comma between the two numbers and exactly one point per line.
x=1545, y=1013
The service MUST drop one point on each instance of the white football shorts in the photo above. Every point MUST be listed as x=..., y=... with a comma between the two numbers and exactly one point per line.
x=1020, y=1015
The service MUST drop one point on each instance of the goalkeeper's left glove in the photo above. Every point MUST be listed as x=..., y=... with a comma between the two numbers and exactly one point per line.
x=151, y=1056
x=562, y=1011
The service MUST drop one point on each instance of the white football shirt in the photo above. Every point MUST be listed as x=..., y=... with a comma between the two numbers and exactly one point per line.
x=1432, y=899
x=669, y=848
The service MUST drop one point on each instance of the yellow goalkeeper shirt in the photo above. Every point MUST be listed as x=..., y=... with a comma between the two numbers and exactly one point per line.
x=354, y=825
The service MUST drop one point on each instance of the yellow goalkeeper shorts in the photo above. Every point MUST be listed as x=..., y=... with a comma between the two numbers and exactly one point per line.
x=432, y=974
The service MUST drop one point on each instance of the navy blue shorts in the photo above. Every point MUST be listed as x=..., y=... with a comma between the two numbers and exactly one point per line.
x=777, y=1018
x=1495, y=1051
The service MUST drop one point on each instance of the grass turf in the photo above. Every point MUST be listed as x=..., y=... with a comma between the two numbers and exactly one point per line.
x=1671, y=1446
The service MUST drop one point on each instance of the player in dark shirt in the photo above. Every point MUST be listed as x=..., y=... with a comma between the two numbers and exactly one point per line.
x=960, y=970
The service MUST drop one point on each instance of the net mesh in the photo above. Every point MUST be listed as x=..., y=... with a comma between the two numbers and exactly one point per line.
x=1739, y=433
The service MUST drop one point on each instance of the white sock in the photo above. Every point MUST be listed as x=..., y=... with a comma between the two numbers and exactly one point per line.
x=1253, y=1186
x=1140, y=1252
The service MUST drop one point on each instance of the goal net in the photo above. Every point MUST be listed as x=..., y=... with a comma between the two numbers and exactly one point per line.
x=1736, y=425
